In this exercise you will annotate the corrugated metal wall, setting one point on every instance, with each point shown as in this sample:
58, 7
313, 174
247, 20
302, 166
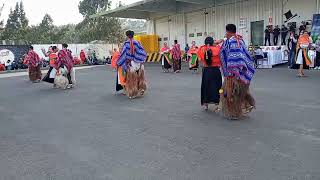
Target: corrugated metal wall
218, 17
251, 10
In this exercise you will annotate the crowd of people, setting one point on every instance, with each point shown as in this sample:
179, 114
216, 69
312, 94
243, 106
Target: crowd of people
226, 74
227, 57
61, 72
304, 52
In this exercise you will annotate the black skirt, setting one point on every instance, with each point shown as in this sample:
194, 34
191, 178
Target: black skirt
47, 77
210, 86
119, 87
166, 64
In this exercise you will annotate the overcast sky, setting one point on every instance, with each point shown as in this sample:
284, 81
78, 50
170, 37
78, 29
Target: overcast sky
62, 11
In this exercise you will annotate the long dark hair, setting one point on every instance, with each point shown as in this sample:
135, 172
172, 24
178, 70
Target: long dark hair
208, 55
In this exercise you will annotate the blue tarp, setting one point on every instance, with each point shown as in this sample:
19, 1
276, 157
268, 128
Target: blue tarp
315, 32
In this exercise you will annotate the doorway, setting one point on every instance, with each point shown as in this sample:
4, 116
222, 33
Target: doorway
257, 29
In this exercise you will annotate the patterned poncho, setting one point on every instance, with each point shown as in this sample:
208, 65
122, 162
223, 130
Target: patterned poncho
65, 58
236, 60
131, 51
32, 59
176, 52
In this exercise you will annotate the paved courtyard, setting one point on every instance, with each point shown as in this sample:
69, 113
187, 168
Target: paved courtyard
92, 133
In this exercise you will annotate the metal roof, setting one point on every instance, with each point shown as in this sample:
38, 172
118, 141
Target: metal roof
148, 9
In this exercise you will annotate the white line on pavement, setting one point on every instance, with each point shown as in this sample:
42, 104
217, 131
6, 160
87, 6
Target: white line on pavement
6, 75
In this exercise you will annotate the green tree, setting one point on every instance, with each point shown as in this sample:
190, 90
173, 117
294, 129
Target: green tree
13, 25
17, 24
90, 7
22, 16
102, 28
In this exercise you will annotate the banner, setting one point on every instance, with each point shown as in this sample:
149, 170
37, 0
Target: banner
10, 53
315, 32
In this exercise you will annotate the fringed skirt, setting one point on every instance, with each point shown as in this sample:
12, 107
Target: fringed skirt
210, 86
236, 99
35, 73
133, 82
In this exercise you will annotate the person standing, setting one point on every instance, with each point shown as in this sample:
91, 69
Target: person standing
83, 56
317, 62
284, 33
292, 46
193, 63
302, 27
302, 58
65, 59
166, 60
131, 62
209, 55
238, 70
267, 34
176, 55
34, 63
276, 33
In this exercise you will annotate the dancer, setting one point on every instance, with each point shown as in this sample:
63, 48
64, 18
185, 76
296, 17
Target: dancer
166, 58
34, 63
65, 60
302, 58
238, 70
115, 57
176, 55
209, 55
193, 63
49, 78
131, 63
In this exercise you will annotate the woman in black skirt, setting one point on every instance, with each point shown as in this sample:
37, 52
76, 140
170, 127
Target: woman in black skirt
211, 75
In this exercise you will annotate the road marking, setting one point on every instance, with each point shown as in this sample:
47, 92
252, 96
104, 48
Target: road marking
17, 74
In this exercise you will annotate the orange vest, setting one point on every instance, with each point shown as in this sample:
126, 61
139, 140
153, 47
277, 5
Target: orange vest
52, 59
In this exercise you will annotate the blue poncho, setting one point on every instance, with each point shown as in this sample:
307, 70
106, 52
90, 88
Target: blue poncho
236, 61
132, 51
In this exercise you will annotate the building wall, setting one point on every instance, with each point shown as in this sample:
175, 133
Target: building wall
213, 23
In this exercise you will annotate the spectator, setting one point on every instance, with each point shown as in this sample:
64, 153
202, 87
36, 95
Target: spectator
8, 65
292, 45
284, 33
317, 62
267, 33
276, 33
89, 54
2, 67
303, 27
83, 57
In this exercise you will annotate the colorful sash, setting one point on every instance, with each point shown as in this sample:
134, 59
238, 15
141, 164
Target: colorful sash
193, 62
121, 76
168, 58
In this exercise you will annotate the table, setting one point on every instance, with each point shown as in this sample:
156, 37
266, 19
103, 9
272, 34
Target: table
275, 55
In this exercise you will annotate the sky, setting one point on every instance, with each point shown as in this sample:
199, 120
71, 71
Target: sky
62, 11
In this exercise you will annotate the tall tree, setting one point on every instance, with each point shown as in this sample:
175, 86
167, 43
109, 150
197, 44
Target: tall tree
90, 7
13, 25
102, 28
22, 16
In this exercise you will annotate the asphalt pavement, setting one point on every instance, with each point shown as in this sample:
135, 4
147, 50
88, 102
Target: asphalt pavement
93, 133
